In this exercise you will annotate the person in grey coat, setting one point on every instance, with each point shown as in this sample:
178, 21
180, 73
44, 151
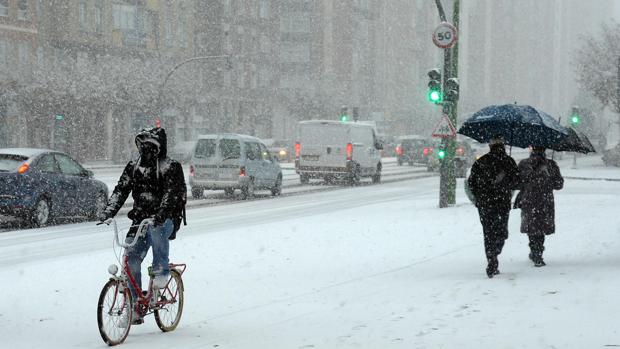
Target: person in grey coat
539, 178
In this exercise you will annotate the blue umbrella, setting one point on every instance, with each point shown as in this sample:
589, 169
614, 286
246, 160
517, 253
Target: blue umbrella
519, 125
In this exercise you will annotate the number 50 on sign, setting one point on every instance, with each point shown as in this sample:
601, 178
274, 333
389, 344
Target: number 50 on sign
445, 35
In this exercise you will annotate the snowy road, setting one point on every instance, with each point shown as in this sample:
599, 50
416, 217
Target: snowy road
366, 267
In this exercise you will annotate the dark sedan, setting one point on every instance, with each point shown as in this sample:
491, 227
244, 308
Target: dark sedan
41, 185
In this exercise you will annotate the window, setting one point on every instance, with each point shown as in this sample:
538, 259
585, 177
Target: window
23, 51
230, 148
82, 14
252, 150
68, 166
124, 16
40, 56
98, 16
47, 164
169, 32
227, 8
4, 52
263, 8
294, 53
4, 8
264, 152
295, 22
182, 33
22, 9
205, 148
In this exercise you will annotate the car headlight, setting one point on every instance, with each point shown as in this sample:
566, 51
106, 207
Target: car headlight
282, 152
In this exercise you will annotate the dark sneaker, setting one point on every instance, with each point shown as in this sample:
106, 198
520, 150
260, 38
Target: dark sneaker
490, 272
496, 272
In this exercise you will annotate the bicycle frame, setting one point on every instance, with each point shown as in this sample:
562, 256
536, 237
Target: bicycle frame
143, 302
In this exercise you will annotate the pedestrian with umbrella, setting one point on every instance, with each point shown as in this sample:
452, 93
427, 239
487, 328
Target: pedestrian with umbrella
494, 176
492, 179
539, 178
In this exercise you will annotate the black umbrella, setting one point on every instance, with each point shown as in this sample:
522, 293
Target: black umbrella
576, 141
519, 125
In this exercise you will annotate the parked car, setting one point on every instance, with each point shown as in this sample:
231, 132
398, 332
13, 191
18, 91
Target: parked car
330, 149
233, 161
280, 148
464, 157
413, 149
40, 185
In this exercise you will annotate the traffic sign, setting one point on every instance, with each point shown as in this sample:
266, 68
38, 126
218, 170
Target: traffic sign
444, 128
445, 35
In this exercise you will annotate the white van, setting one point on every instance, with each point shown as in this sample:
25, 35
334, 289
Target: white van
232, 161
333, 149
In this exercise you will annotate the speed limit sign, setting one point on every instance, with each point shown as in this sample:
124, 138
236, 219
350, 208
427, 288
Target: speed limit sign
445, 35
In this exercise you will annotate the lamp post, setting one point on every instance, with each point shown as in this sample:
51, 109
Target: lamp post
160, 99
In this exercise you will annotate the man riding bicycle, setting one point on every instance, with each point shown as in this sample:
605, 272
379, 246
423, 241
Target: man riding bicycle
157, 186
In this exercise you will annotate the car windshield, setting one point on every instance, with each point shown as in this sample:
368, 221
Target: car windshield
11, 162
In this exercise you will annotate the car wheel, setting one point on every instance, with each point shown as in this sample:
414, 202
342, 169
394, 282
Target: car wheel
304, 179
101, 202
197, 193
248, 190
277, 188
376, 178
229, 191
41, 213
399, 163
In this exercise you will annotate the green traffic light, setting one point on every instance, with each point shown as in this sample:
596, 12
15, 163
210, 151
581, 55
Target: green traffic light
575, 119
434, 96
441, 154
344, 118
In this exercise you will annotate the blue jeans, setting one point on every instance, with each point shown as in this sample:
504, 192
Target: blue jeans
156, 236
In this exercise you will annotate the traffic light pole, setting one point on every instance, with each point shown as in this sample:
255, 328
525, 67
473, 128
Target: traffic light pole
447, 180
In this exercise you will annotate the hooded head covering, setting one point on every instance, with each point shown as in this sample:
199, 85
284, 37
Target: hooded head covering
156, 137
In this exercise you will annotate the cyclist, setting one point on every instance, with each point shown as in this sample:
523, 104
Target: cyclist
157, 186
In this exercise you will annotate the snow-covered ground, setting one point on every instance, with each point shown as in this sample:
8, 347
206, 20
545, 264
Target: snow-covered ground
369, 267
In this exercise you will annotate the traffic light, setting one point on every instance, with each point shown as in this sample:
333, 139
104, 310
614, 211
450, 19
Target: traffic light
344, 114
441, 153
356, 114
434, 86
452, 89
575, 118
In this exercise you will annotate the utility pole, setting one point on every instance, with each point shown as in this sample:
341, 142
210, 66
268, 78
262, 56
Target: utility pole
447, 180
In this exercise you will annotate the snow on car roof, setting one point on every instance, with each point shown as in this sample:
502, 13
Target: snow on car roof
29, 152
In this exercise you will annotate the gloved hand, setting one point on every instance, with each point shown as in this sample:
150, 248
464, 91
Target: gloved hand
103, 216
159, 218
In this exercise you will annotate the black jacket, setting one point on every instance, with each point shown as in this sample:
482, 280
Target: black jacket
539, 178
492, 179
158, 188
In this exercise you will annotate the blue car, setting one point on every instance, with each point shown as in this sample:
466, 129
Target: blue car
41, 185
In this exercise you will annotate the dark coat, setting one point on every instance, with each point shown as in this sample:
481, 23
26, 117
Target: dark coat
155, 188
539, 177
492, 179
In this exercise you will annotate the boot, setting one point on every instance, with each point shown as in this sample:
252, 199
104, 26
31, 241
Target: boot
492, 267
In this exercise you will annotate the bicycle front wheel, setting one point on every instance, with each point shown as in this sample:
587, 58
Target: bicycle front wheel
168, 313
114, 313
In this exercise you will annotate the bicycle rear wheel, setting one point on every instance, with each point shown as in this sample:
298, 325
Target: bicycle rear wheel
169, 313
113, 306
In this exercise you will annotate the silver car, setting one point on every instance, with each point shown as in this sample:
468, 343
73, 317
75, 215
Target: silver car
232, 161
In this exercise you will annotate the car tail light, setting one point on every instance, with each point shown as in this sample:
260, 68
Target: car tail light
23, 168
349, 151
192, 170
427, 150
460, 151
399, 150
297, 149
242, 171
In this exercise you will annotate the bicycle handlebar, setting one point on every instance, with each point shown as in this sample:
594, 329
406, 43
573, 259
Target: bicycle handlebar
142, 229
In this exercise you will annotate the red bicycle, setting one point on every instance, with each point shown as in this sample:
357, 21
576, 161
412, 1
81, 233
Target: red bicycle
114, 309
